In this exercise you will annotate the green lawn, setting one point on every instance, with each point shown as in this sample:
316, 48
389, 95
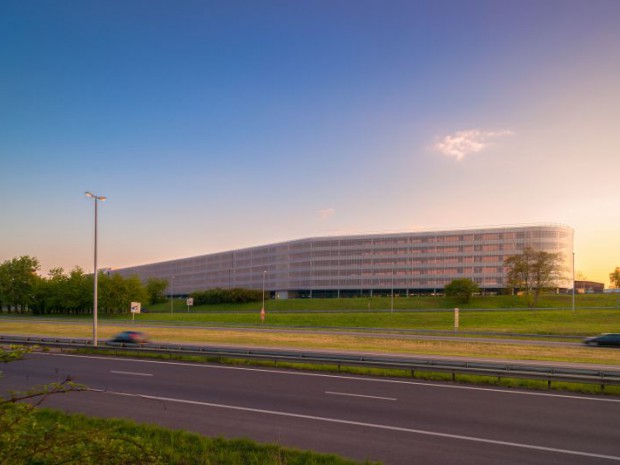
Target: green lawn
562, 322
404, 303
553, 322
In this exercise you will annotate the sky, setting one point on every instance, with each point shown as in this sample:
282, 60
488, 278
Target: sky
216, 125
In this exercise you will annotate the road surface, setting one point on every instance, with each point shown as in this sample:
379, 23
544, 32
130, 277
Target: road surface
389, 420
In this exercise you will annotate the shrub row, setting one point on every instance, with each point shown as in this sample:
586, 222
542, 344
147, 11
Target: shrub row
224, 296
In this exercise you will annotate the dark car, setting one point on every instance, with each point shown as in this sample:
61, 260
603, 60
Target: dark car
607, 339
130, 337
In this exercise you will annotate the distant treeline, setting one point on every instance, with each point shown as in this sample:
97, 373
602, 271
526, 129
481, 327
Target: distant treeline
223, 296
22, 290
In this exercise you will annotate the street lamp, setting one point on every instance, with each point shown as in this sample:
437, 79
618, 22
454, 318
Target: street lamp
573, 281
172, 295
262, 312
392, 296
96, 199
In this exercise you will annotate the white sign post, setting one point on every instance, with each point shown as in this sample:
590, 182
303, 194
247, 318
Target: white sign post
456, 319
136, 307
190, 302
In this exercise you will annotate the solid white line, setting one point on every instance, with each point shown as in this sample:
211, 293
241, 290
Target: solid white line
130, 373
359, 395
357, 378
372, 425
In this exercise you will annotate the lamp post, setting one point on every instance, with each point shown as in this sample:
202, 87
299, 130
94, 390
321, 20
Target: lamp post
264, 274
262, 311
96, 198
573, 281
392, 294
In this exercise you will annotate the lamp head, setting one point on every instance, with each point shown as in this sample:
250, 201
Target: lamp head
90, 195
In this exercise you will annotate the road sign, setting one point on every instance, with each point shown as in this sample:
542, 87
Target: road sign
135, 308
190, 301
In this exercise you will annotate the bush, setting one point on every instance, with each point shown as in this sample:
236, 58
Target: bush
461, 289
226, 296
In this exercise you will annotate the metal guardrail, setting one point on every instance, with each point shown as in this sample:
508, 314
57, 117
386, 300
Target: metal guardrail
454, 367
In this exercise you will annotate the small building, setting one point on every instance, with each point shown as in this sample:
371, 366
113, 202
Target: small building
589, 287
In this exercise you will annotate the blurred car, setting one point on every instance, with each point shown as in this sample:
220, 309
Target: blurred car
606, 339
130, 337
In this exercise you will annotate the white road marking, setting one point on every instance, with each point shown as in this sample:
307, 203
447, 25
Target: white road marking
371, 425
359, 395
130, 373
357, 378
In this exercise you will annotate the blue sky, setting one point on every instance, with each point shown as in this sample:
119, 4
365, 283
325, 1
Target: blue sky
224, 124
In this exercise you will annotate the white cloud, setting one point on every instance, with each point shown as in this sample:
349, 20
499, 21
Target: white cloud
326, 213
463, 143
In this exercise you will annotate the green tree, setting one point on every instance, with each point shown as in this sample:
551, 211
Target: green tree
155, 289
614, 278
64, 293
117, 292
461, 289
534, 271
79, 292
18, 282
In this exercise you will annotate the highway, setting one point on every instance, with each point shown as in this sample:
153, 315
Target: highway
389, 420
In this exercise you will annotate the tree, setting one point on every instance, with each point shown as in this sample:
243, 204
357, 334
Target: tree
534, 271
18, 279
614, 278
155, 289
62, 293
461, 289
116, 292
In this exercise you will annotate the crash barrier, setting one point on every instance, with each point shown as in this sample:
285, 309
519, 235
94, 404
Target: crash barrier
498, 370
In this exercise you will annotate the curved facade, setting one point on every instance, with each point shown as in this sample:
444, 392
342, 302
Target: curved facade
411, 262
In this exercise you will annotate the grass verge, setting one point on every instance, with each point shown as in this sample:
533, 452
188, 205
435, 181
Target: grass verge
346, 342
402, 303
185, 448
542, 322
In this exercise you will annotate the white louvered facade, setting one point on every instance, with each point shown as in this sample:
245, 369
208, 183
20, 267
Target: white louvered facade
410, 262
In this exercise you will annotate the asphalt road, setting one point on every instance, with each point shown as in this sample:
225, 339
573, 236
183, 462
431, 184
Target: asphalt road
394, 421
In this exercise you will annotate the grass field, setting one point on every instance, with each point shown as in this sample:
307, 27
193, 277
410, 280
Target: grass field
402, 303
330, 342
552, 322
